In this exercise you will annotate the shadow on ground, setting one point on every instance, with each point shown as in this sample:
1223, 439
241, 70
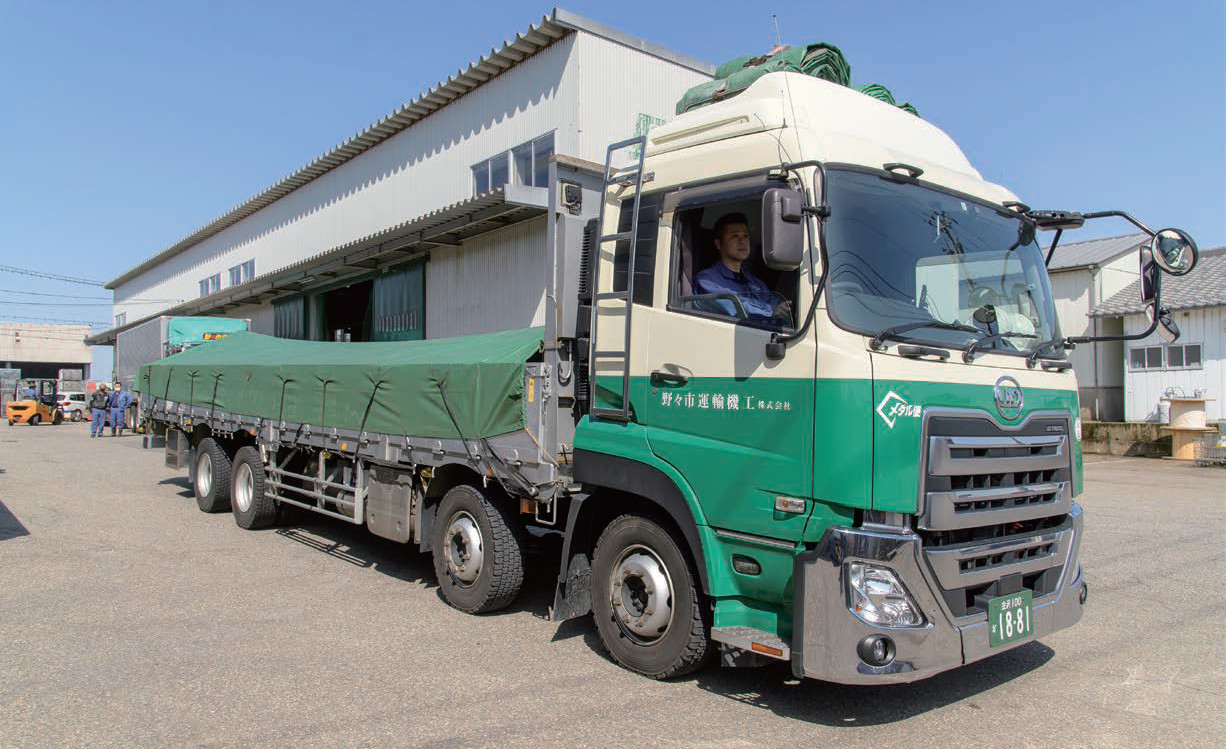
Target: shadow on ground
774, 688
180, 481
10, 526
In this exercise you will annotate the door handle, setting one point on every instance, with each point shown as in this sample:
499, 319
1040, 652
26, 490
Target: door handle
671, 378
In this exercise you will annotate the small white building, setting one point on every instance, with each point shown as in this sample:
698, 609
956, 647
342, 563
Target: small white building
1083, 276
435, 220
1196, 363
41, 350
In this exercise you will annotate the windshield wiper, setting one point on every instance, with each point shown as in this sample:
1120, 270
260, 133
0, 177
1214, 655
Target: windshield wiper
1033, 358
893, 332
968, 356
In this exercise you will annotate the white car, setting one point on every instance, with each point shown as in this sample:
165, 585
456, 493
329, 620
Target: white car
72, 403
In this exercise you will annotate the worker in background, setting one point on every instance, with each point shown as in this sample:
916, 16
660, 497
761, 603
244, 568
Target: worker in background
119, 402
98, 403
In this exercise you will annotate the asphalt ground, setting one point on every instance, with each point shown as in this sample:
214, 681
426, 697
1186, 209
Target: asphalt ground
129, 618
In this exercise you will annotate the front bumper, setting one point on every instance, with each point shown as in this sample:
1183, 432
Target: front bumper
826, 633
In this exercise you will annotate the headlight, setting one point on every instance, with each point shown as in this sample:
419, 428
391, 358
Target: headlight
878, 597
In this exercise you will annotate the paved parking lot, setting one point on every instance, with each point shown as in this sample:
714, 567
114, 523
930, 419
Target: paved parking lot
128, 618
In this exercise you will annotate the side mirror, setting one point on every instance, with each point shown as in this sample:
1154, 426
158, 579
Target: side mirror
1174, 251
1149, 280
783, 229
1167, 329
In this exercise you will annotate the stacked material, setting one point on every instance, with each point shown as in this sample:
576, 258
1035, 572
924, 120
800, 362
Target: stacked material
818, 59
441, 388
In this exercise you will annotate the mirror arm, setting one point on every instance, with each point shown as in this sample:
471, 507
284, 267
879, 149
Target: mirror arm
1051, 250
1122, 214
1159, 311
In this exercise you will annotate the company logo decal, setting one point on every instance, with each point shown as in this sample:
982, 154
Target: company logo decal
1009, 400
893, 407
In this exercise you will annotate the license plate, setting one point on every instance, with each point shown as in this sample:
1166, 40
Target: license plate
1010, 618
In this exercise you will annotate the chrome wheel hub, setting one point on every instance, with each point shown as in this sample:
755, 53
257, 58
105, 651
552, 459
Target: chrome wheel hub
464, 550
204, 475
244, 487
642, 594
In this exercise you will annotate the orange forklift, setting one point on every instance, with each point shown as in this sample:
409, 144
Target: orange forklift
36, 403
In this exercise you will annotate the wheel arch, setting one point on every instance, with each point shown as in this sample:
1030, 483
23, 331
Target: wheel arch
633, 486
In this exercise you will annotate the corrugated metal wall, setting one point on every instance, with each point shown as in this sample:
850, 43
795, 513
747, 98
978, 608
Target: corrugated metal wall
421, 169
494, 282
1144, 389
587, 89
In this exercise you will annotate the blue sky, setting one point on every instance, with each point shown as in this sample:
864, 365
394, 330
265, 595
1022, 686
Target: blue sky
125, 126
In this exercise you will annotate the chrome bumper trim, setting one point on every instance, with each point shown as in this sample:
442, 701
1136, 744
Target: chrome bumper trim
825, 635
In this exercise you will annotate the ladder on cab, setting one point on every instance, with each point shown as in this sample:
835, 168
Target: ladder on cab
608, 303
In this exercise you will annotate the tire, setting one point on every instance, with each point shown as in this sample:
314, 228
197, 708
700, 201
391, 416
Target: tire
77, 416
57, 418
251, 507
211, 471
658, 633
34, 420
478, 551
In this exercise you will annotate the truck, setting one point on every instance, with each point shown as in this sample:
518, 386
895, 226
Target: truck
862, 461
162, 336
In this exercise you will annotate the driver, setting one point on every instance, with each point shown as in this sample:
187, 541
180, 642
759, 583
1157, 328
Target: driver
727, 276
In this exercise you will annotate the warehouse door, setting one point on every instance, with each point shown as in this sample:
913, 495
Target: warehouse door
289, 318
399, 304
345, 312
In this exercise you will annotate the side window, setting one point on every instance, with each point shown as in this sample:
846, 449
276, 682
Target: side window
645, 247
718, 269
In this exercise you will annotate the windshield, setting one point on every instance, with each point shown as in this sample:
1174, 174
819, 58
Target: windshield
939, 268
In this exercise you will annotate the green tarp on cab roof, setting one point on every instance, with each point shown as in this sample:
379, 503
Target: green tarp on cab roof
391, 388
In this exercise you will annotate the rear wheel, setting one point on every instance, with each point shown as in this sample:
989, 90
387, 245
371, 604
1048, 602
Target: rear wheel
478, 551
647, 608
251, 506
77, 416
211, 476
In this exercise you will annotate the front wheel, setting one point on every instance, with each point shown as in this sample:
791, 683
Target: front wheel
57, 418
76, 416
645, 602
478, 551
34, 420
252, 506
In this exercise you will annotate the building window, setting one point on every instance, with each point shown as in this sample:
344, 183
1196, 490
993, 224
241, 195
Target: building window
1177, 356
1147, 357
210, 285
121, 318
525, 164
242, 273
1183, 356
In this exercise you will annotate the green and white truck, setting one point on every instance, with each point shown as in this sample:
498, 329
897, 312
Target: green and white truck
875, 481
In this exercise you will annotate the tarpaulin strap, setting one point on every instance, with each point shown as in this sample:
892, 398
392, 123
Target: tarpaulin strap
357, 444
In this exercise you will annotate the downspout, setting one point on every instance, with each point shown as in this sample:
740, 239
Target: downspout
1094, 332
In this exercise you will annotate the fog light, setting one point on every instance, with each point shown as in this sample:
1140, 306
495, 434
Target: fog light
876, 650
746, 565
878, 597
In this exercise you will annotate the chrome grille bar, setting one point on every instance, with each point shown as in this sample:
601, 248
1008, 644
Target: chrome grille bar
961, 456
970, 508
975, 564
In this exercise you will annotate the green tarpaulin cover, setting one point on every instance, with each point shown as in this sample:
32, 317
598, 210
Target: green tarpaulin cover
391, 388
818, 59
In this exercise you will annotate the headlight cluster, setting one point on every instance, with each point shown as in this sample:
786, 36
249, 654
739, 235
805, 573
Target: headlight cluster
878, 597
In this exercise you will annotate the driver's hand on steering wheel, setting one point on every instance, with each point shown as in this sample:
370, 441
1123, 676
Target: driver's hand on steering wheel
783, 311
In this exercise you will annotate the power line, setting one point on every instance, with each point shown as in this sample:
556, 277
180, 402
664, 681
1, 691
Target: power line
54, 319
77, 296
52, 276
72, 304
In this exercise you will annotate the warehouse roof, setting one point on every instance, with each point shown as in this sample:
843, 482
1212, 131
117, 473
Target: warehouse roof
1094, 251
1205, 286
495, 62
444, 227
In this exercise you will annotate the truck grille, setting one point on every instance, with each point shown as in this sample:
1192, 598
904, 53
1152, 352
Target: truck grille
996, 506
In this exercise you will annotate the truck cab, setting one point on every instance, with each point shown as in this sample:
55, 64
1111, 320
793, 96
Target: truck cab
879, 446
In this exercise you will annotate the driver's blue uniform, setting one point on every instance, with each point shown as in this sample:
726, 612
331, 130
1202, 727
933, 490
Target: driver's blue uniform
757, 299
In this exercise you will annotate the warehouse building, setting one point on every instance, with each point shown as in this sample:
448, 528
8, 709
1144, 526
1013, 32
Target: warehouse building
41, 350
435, 220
